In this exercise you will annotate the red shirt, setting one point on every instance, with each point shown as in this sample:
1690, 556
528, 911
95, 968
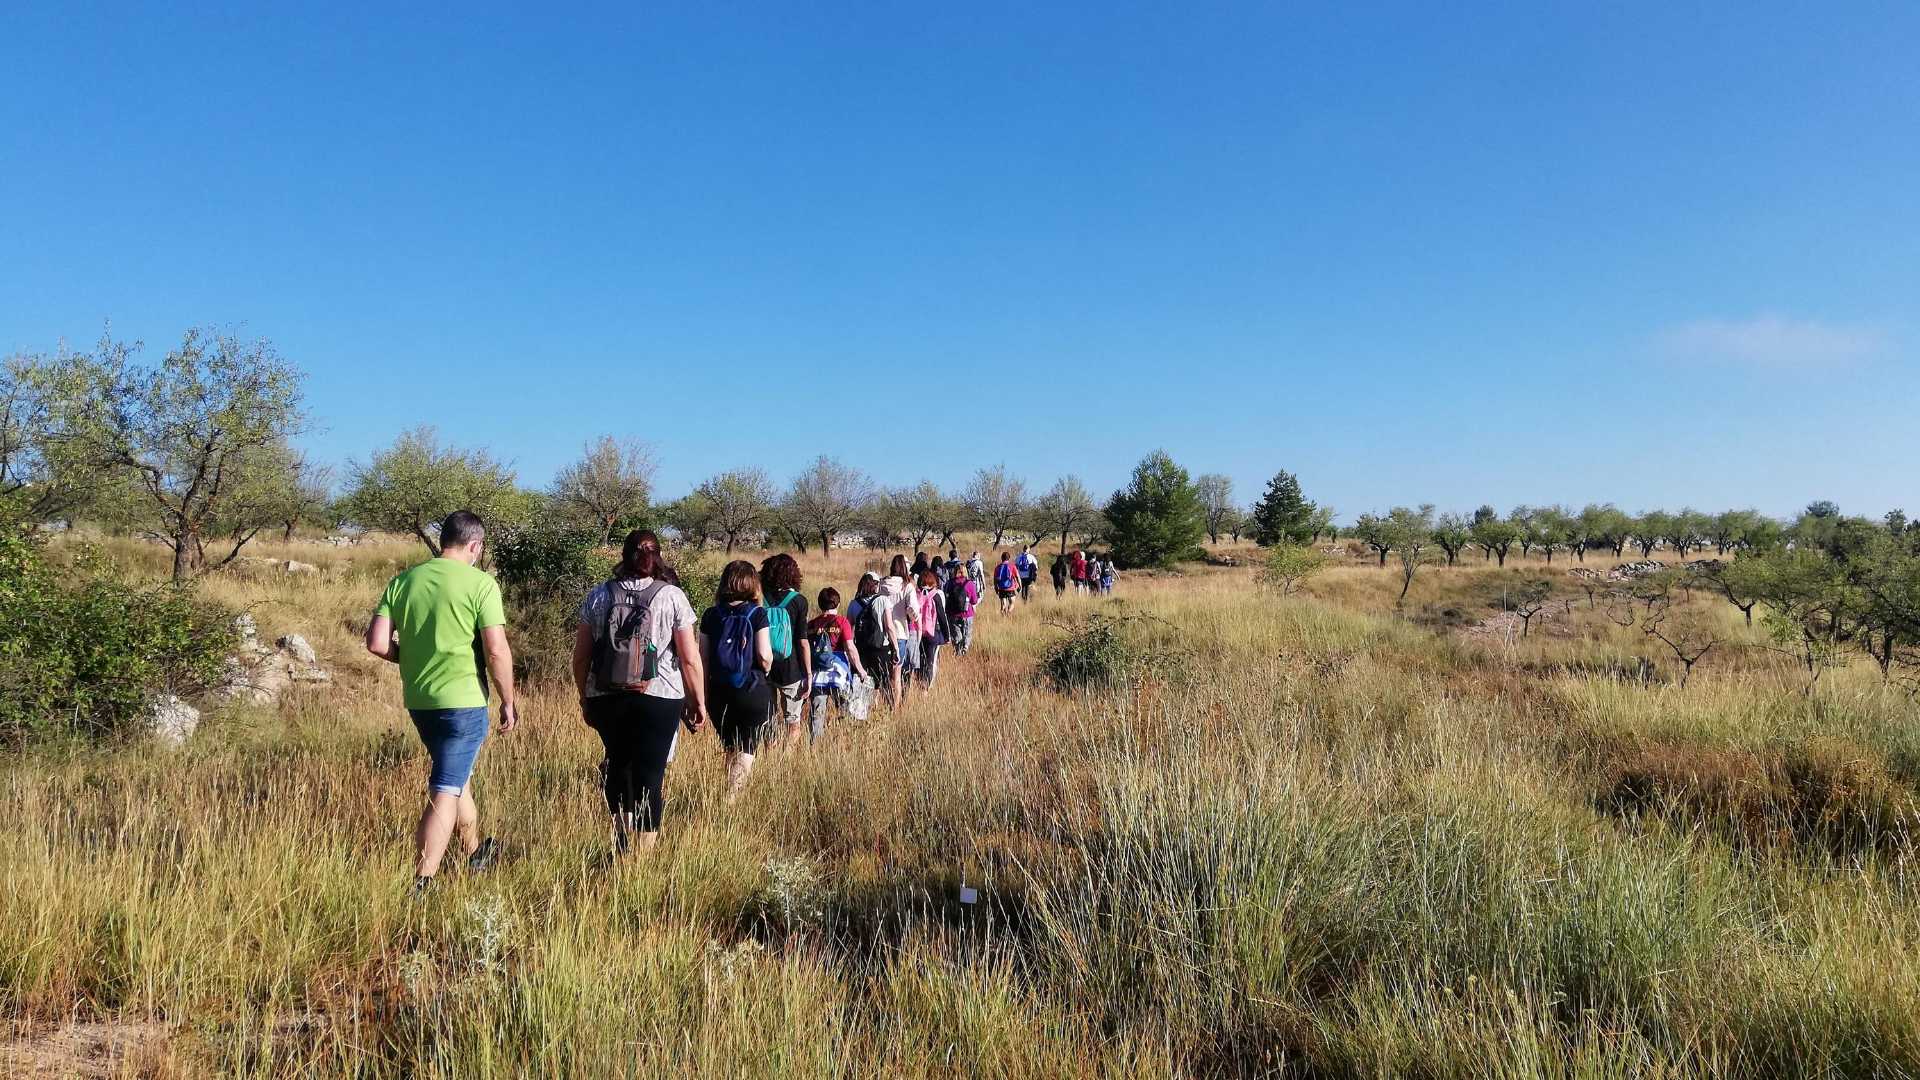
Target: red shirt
1079, 566
838, 629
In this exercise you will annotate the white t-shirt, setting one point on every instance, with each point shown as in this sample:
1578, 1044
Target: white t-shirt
900, 601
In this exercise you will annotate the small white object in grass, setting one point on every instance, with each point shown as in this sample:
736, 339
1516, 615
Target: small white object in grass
969, 895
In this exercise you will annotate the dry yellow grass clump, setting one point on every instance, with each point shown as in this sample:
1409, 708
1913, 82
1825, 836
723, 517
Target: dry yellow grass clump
1317, 836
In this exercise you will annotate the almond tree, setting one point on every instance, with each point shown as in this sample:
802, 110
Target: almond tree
200, 438
413, 484
826, 500
1216, 498
1064, 507
995, 500
612, 480
738, 502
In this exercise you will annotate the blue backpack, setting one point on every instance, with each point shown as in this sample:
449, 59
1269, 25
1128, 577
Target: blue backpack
733, 649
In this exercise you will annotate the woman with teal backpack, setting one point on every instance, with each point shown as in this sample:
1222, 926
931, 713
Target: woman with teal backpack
738, 653
792, 671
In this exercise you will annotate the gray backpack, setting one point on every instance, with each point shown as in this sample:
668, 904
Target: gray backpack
625, 657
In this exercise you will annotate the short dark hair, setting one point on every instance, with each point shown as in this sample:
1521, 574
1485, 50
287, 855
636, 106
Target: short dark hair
461, 528
780, 573
739, 581
929, 579
1004, 556
829, 598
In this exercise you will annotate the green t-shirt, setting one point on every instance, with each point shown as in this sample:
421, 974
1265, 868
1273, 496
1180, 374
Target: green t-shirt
439, 609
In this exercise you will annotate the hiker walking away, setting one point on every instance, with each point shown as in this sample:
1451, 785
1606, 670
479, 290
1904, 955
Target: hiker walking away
920, 564
737, 653
835, 660
900, 588
434, 620
1079, 570
873, 636
1006, 582
935, 628
792, 672
636, 666
952, 564
1029, 568
1059, 573
651, 542
961, 596
1107, 574
977, 570
1093, 573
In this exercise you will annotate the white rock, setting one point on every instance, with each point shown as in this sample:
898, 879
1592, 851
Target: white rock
244, 626
294, 567
172, 720
298, 648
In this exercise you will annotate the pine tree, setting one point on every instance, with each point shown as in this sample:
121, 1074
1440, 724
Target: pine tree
1158, 519
1283, 515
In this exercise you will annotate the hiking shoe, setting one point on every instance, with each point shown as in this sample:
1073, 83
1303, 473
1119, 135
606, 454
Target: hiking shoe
420, 887
483, 856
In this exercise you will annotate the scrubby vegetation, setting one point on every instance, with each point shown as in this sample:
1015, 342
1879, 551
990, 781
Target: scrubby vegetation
84, 652
1306, 838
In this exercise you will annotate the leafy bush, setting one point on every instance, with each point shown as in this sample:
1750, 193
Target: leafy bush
547, 569
1289, 566
83, 653
1093, 656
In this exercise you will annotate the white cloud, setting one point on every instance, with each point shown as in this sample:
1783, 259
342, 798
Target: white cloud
1772, 341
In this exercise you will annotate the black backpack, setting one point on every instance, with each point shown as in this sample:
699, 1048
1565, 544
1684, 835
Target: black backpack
956, 599
624, 655
870, 630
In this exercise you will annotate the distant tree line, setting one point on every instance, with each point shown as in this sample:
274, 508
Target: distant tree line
194, 450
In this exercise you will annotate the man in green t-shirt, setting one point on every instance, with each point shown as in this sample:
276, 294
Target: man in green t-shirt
435, 621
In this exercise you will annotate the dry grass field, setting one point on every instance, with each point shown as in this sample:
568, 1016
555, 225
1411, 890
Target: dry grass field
1319, 837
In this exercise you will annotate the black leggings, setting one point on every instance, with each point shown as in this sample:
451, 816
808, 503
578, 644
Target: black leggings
739, 713
638, 731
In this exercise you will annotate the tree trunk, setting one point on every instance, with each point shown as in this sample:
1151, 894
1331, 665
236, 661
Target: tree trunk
286, 537
1063, 541
432, 548
186, 555
1383, 556
1503, 557
826, 544
997, 534
729, 543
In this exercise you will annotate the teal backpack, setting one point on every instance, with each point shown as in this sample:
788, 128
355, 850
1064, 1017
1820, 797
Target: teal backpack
780, 626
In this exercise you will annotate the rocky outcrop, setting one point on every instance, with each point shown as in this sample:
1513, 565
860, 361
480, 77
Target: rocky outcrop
260, 673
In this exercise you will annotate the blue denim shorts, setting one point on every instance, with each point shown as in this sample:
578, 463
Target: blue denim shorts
452, 738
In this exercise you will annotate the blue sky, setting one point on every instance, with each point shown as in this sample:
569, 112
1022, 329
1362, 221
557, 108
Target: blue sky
1649, 253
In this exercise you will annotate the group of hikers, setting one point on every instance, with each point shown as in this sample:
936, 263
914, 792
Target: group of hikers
762, 665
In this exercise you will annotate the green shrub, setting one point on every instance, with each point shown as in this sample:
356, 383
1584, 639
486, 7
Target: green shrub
82, 653
1290, 566
1093, 656
546, 570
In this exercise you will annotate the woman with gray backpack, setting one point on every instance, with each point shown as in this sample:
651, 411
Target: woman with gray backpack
637, 667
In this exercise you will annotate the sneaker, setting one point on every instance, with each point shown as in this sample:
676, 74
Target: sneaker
420, 886
483, 856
